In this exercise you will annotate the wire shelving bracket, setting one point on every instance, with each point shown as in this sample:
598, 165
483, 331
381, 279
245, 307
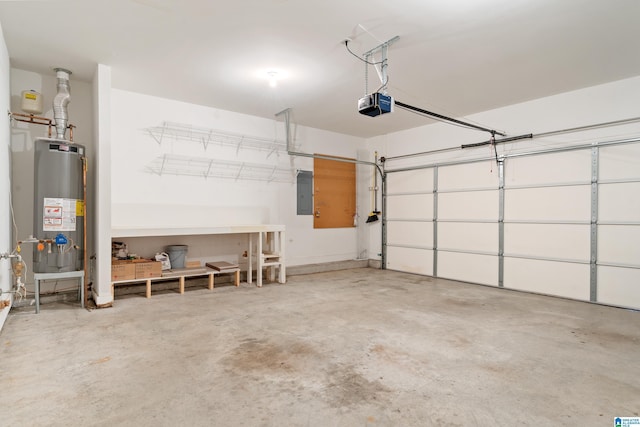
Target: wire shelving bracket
205, 136
170, 164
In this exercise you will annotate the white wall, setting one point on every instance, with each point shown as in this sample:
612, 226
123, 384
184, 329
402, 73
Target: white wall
22, 137
142, 199
603, 103
101, 215
5, 167
527, 208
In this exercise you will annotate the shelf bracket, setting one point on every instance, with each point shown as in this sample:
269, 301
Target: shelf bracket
239, 171
206, 143
273, 173
239, 144
274, 149
159, 140
164, 161
208, 169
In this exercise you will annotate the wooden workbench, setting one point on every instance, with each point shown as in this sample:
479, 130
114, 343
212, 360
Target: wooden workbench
270, 251
181, 275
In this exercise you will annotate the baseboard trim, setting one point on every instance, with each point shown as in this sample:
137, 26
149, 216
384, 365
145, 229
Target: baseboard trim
137, 288
326, 266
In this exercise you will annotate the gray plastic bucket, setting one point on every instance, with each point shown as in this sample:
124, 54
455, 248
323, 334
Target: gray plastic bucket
177, 254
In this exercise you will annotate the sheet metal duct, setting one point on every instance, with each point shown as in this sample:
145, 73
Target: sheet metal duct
60, 102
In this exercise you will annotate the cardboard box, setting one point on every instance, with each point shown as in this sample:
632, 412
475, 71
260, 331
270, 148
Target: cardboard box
122, 270
145, 268
135, 269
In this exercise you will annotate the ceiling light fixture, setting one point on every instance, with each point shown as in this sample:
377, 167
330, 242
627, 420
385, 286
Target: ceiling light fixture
272, 75
273, 78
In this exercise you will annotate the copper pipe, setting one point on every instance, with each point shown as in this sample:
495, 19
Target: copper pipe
38, 120
32, 119
30, 116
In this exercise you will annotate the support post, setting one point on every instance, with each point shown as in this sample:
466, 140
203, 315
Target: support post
383, 224
593, 264
501, 223
435, 221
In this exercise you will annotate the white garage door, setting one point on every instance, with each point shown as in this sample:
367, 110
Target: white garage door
547, 217
563, 223
468, 222
618, 273
410, 214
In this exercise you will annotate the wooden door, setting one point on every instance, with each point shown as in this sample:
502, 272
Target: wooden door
334, 193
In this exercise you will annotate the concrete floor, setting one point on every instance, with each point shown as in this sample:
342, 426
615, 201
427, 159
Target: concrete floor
361, 347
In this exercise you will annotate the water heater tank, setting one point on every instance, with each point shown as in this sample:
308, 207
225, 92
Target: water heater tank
58, 206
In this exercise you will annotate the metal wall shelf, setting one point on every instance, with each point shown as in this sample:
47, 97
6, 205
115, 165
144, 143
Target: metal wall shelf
170, 164
206, 167
206, 136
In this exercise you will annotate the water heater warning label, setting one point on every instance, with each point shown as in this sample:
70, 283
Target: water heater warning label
59, 214
79, 208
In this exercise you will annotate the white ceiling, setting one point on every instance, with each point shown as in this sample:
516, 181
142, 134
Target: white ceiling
455, 57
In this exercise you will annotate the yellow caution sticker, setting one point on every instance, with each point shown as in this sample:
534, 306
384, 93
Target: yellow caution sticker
31, 96
79, 208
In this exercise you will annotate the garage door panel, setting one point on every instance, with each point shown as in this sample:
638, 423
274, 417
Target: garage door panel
619, 244
563, 241
619, 202
564, 279
473, 206
416, 181
619, 286
619, 162
410, 233
471, 268
409, 260
568, 167
548, 204
472, 237
410, 206
479, 175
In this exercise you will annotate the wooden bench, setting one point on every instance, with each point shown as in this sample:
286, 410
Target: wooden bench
181, 275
